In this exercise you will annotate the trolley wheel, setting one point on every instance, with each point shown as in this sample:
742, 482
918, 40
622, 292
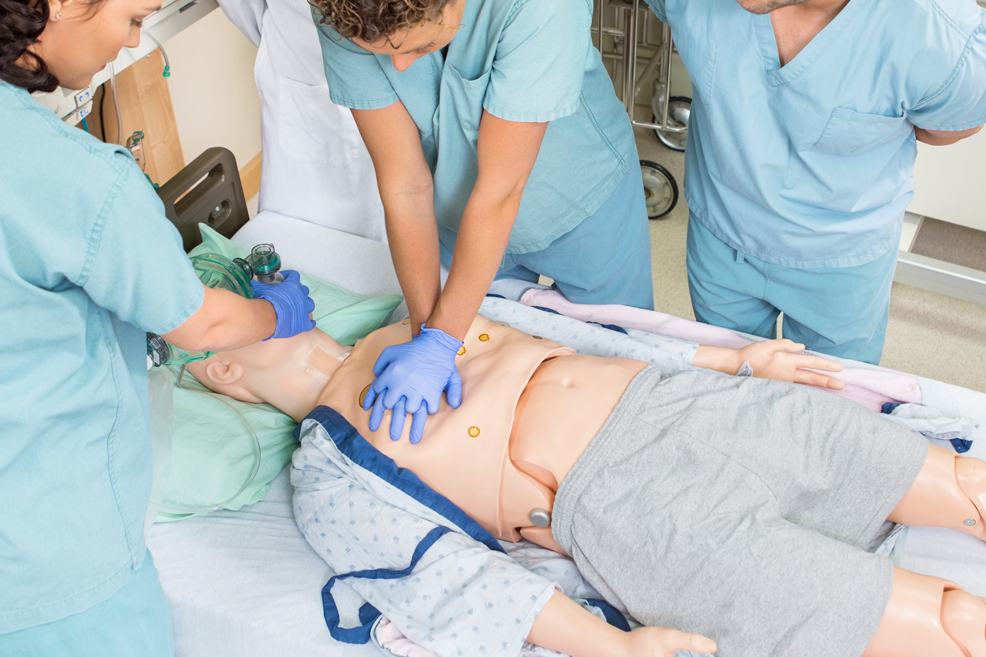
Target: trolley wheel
679, 111
660, 189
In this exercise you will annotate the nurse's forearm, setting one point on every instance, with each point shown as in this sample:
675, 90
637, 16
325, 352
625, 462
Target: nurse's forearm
506, 153
479, 248
225, 321
407, 191
413, 235
943, 137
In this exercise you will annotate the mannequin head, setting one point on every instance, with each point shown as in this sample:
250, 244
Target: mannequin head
289, 374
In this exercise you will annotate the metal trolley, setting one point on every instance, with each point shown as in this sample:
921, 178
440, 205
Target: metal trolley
669, 113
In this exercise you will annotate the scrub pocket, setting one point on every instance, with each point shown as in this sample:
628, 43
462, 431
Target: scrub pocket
467, 99
854, 133
309, 128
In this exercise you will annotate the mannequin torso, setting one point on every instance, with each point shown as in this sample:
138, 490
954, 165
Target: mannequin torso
530, 406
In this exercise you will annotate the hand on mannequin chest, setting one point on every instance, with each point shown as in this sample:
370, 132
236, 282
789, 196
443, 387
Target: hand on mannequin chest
797, 24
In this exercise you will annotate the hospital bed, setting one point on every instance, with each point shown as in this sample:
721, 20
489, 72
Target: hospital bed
246, 583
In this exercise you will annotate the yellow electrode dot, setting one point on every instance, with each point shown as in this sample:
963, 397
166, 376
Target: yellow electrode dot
362, 395
473, 431
462, 351
484, 337
406, 322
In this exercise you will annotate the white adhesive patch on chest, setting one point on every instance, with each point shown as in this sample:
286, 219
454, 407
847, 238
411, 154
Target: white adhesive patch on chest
320, 363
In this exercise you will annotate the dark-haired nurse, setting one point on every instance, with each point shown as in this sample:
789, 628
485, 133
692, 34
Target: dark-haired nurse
88, 263
501, 150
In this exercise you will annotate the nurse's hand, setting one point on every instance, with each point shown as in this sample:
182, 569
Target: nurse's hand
291, 304
411, 378
785, 360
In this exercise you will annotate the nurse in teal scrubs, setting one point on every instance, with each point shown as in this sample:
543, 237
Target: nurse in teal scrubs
88, 263
500, 150
801, 147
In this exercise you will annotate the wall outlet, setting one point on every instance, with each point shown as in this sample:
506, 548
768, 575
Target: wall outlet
83, 97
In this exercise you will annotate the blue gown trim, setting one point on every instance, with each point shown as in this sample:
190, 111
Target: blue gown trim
362, 453
368, 614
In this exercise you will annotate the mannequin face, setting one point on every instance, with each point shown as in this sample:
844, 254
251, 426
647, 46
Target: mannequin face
81, 39
407, 46
289, 373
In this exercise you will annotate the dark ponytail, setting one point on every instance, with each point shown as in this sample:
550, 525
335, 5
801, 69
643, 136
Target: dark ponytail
21, 23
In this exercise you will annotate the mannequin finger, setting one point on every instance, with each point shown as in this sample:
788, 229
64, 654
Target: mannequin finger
807, 377
678, 640
376, 415
418, 425
397, 421
820, 363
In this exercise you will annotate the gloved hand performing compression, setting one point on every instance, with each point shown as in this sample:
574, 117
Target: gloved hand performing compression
291, 304
411, 378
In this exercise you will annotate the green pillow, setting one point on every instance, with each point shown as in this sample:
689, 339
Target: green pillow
213, 452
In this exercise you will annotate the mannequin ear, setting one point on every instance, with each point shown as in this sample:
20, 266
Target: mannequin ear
222, 373
225, 378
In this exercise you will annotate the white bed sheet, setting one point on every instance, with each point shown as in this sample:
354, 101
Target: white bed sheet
246, 583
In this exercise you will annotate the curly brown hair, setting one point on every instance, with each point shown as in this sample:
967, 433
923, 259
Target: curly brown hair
370, 20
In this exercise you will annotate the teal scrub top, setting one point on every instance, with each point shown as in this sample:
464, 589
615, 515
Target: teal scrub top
520, 60
88, 263
811, 164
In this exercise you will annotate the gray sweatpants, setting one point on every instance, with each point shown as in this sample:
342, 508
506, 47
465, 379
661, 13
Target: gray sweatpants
740, 509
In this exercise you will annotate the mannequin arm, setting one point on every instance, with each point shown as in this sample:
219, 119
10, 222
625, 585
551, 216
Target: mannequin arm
565, 626
782, 360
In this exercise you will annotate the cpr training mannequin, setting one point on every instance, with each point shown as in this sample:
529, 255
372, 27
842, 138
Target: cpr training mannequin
732, 506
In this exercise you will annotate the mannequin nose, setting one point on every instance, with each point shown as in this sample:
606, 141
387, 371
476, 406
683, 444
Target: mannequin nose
403, 62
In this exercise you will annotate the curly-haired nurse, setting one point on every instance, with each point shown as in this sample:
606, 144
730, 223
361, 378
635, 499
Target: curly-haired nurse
500, 150
88, 263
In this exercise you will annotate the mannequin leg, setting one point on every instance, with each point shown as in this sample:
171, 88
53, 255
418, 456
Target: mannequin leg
950, 491
929, 616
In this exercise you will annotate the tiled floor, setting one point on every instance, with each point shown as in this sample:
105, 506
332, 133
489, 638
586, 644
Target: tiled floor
928, 334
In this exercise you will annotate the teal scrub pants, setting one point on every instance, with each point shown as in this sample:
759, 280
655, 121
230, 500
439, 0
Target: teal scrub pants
840, 311
605, 259
134, 621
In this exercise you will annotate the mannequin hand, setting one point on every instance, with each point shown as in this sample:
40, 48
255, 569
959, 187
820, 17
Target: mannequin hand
661, 642
411, 378
291, 304
784, 360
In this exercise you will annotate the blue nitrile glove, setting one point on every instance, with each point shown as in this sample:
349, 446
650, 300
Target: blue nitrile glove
291, 304
411, 378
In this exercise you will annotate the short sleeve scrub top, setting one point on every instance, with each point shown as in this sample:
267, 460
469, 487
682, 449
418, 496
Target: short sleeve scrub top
524, 61
88, 263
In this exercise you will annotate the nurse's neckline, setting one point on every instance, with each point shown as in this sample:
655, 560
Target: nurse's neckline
809, 51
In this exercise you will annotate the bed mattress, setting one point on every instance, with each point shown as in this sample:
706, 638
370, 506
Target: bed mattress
246, 583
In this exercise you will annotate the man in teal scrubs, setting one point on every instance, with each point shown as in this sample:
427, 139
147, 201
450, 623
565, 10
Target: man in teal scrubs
495, 120
801, 149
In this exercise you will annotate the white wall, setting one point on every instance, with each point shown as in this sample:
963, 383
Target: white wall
212, 89
950, 182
